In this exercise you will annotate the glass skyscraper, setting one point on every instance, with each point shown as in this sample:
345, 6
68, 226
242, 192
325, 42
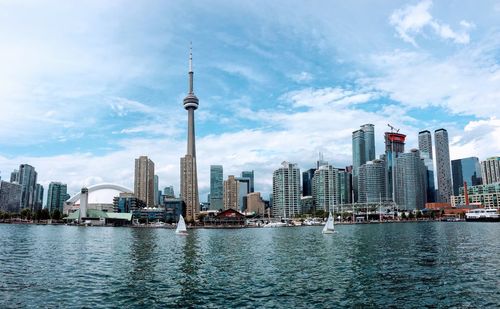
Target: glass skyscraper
56, 196
307, 177
363, 150
410, 181
465, 170
216, 187
372, 182
249, 175
27, 179
443, 166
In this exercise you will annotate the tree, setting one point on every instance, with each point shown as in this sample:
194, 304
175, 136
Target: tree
403, 216
44, 214
26, 214
411, 215
433, 215
419, 214
56, 214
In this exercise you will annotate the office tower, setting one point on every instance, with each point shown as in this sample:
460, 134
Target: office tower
307, 177
425, 143
249, 175
358, 158
27, 179
286, 191
369, 137
231, 196
429, 185
189, 176
169, 191
394, 146
344, 186
14, 176
216, 187
156, 189
490, 170
10, 197
465, 170
443, 169
372, 182
243, 190
325, 192
38, 197
127, 203
144, 182
410, 181
255, 204
56, 196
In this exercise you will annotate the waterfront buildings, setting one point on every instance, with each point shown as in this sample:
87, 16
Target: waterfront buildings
127, 203
410, 181
38, 197
56, 196
216, 187
189, 176
307, 205
394, 146
250, 175
487, 195
425, 143
443, 169
243, 190
307, 177
344, 187
465, 170
255, 204
363, 150
27, 179
372, 182
144, 181
430, 186
10, 196
286, 191
490, 170
174, 207
156, 194
325, 193
231, 193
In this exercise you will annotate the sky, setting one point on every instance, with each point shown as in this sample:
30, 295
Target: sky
87, 87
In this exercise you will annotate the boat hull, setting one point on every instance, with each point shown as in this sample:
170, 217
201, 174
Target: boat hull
483, 219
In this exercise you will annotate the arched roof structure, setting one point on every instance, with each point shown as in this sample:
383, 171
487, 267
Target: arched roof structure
102, 193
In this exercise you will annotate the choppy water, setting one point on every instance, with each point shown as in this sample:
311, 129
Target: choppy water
400, 265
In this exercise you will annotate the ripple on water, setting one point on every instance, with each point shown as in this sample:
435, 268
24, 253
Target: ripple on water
401, 265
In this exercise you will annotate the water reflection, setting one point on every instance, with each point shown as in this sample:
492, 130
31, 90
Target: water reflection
187, 279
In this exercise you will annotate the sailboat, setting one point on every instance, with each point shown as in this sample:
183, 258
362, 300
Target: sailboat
329, 227
181, 226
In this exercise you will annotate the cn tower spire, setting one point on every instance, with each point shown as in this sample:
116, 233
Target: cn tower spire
191, 90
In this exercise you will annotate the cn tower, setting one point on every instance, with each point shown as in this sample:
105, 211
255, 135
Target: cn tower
189, 176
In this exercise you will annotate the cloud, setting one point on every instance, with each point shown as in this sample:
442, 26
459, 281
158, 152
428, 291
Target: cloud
302, 77
414, 19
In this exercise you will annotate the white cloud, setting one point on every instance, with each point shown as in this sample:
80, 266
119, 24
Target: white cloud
414, 19
302, 77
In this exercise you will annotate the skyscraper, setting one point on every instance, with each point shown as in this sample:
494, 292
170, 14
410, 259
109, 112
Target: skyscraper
156, 189
369, 134
465, 170
430, 186
38, 197
14, 176
490, 170
231, 196
344, 186
325, 193
363, 150
10, 196
372, 182
410, 181
144, 182
27, 179
425, 143
56, 196
443, 168
286, 191
216, 187
307, 177
169, 191
394, 146
243, 190
189, 176
249, 175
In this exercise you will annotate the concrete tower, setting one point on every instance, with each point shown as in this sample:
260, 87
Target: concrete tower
443, 166
425, 143
189, 176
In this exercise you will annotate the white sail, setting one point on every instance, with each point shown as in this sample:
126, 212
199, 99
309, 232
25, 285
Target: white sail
181, 226
329, 227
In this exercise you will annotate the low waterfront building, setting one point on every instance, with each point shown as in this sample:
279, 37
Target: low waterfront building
99, 217
174, 207
127, 202
150, 214
100, 197
228, 218
485, 195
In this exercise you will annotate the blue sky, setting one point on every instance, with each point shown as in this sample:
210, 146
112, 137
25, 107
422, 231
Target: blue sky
85, 88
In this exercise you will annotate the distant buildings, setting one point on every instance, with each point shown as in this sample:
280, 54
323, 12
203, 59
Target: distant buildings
231, 193
372, 182
249, 175
144, 181
286, 191
127, 203
443, 169
410, 181
344, 186
325, 190
38, 197
56, 196
490, 170
10, 196
216, 187
169, 191
156, 190
255, 204
394, 146
307, 177
27, 179
425, 143
465, 170
487, 195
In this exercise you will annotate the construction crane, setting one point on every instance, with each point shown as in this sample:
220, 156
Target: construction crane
393, 128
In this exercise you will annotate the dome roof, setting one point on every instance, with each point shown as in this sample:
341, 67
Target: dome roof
101, 193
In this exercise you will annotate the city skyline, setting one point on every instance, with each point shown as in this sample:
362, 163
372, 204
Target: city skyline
263, 102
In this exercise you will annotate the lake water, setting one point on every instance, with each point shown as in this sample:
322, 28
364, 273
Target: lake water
403, 265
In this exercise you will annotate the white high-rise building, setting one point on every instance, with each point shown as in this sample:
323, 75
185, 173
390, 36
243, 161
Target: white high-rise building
490, 170
286, 191
325, 188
